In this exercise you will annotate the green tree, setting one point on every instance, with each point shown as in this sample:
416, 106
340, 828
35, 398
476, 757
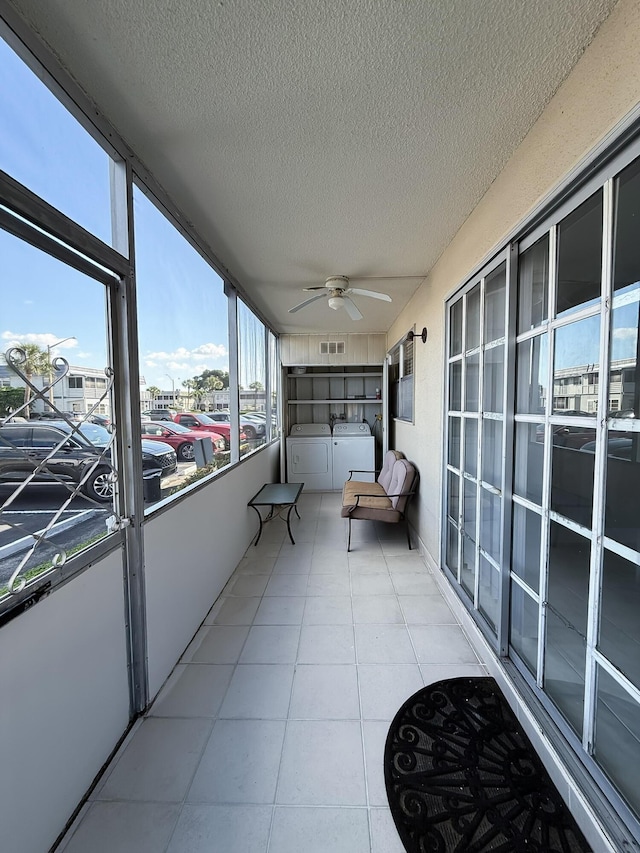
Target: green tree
207, 382
154, 391
37, 363
256, 387
188, 384
10, 399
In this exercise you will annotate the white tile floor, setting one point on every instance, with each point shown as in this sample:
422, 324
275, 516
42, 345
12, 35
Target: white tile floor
269, 734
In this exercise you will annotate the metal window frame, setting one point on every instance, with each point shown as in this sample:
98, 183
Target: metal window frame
33, 220
27, 208
398, 348
622, 153
494, 635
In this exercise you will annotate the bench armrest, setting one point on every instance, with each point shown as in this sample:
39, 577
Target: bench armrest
367, 495
361, 471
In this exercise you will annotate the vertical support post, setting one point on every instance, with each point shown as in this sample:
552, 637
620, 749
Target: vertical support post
268, 380
234, 372
508, 444
124, 344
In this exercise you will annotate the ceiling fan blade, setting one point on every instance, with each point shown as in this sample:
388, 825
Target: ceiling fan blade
351, 308
317, 287
307, 302
360, 292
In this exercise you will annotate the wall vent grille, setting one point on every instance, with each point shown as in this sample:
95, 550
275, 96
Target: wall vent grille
331, 347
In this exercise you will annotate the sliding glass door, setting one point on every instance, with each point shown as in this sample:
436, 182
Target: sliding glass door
541, 531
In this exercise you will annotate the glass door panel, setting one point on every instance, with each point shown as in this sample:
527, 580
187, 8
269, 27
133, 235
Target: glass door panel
472, 384
489, 592
525, 549
532, 359
454, 442
565, 641
492, 463
468, 568
473, 318
580, 256
494, 304
471, 446
533, 285
490, 523
529, 462
617, 737
523, 627
619, 638
493, 380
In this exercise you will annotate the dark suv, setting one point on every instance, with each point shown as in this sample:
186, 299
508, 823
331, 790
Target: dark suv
23, 446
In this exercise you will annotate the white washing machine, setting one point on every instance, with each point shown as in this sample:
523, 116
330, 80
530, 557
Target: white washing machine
309, 457
353, 448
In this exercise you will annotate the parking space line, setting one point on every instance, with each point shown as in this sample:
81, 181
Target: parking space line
26, 541
37, 511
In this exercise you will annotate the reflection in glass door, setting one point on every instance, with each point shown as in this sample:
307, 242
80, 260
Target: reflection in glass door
570, 558
574, 593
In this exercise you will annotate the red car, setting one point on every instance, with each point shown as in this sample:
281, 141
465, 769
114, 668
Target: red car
181, 438
199, 421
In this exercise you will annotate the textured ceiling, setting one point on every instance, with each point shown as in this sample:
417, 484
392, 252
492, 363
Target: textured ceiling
311, 138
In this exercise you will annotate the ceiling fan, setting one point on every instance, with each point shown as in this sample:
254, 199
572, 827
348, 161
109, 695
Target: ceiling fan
338, 291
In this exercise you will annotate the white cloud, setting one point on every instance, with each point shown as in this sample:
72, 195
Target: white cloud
625, 333
185, 362
212, 350
43, 340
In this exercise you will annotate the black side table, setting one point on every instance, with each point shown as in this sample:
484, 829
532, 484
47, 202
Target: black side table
281, 495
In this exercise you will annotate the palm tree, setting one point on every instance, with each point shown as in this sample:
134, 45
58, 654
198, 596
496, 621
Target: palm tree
188, 384
255, 387
154, 391
36, 363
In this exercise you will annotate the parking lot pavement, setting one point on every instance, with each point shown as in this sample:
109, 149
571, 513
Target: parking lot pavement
18, 524
82, 522
33, 510
184, 470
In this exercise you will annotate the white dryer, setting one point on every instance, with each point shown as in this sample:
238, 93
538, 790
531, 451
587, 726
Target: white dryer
353, 448
309, 456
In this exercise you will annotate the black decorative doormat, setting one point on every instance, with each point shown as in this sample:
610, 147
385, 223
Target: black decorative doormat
462, 777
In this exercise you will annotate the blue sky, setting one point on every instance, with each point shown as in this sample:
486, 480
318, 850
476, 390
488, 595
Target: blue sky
181, 305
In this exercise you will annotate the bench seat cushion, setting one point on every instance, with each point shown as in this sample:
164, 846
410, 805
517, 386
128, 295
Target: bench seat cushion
355, 487
375, 506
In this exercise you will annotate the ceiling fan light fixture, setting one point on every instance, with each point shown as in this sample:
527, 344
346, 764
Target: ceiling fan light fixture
335, 302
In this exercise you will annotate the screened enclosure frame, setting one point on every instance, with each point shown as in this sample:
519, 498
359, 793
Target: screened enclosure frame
34, 221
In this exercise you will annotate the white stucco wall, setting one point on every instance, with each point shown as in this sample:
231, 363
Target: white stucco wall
190, 552
65, 703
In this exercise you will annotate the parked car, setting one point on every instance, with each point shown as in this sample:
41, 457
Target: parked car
24, 446
101, 420
49, 415
159, 414
156, 456
200, 421
621, 447
251, 428
181, 438
570, 435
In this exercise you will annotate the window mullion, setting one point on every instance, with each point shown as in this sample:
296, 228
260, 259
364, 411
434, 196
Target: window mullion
599, 482
546, 465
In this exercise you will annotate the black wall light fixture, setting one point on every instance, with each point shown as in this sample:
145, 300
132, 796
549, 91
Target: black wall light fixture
423, 334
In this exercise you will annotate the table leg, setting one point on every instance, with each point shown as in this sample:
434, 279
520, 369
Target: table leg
293, 506
296, 509
260, 517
